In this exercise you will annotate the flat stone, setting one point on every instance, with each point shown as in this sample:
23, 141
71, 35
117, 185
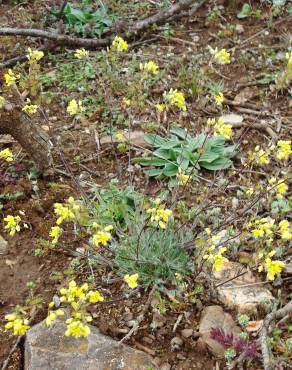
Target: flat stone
238, 294
135, 138
215, 317
3, 245
48, 348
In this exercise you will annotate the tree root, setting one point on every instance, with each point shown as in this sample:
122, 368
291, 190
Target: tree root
276, 315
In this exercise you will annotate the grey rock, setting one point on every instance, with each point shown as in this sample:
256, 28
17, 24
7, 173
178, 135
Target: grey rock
215, 317
186, 333
240, 291
3, 245
49, 349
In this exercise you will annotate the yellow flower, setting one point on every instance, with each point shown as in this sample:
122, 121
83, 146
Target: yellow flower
284, 230
131, 280
221, 128
30, 108
160, 107
264, 227
67, 212
17, 324
10, 78
127, 102
219, 98
119, 136
12, 224
273, 268
283, 149
94, 296
182, 178
35, 55
2, 102
176, 98
120, 44
222, 56
101, 237
6, 154
279, 186
260, 156
77, 329
217, 259
81, 54
159, 214
75, 107
55, 233
50, 318
149, 67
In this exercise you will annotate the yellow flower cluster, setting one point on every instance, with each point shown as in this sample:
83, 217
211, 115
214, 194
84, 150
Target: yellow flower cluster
10, 77
131, 280
2, 102
30, 108
160, 107
221, 56
75, 107
182, 178
216, 257
12, 224
263, 228
219, 98
283, 149
77, 298
260, 156
81, 54
176, 98
279, 186
159, 214
103, 236
285, 230
120, 44
149, 67
55, 234
17, 324
6, 154
220, 127
272, 268
68, 211
34, 55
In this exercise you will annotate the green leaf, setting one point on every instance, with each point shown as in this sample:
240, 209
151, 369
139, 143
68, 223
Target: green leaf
245, 11
150, 161
218, 164
208, 157
170, 170
155, 140
154, 172
162, 153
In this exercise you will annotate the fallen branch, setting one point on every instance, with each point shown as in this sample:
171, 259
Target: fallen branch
61, 39
276, 315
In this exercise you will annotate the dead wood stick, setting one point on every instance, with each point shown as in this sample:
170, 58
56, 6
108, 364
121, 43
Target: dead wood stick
276, 315
257, 126
138, 27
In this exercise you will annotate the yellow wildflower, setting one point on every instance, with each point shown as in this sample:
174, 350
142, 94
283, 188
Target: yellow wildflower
176, 98
75, 107
34, 55
273, 268
119, 136
260, 156
120, 44
285, 230
127, 102
217, 259
6, 154
2, 102
17, 324
50, 318
219, 98
10, 77
131, 280
264, 227
159, 214
77, 329
30, 108
102, 236
220, 128
94, 296
182, 178
149, 67
160, 107
55, 233
68, 211
81, 54
283, 149
279, 186
222, 56
12, 224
